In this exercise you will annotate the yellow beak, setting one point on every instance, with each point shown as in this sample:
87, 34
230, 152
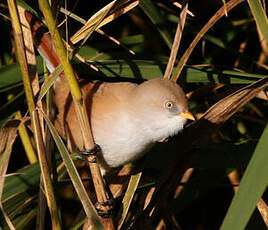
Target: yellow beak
187, 115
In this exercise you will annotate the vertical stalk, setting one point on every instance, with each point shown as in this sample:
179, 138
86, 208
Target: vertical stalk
29, 150
78, 102
21, 56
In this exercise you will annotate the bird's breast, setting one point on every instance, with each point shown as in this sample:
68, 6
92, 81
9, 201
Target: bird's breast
120, 138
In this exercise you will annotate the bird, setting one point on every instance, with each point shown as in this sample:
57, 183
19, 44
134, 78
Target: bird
126, 118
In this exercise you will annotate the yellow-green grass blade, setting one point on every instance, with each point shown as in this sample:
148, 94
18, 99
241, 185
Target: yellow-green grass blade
131, 189
107, 14
92, 24
76, 180
49, 82
158, 20
252, 187
260, 17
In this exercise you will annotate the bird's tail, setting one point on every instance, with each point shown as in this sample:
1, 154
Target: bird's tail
45, 47
43, 42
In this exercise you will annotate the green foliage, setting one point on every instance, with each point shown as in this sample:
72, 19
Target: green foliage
252, 187
230, 54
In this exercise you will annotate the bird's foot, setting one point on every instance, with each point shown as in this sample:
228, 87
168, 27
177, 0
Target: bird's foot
105, 209
90, 155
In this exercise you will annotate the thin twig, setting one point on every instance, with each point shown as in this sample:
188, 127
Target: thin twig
219, 14
22, 59
176, 42
79, 102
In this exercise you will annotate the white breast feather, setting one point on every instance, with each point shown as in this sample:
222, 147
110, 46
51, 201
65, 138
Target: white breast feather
124, 142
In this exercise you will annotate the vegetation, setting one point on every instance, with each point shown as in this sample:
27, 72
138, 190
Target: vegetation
213, 175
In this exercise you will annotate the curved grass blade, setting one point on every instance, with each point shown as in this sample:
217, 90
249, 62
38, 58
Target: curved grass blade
20, 194
158, 20
6, 72
149, 69
104, 16
11, 75
24, 5
49, 82
92, 24
24, 180
21, 209
81, 20
135, 68
131, 189
260, 17
22, 221
251, 188
72, 171
7, 138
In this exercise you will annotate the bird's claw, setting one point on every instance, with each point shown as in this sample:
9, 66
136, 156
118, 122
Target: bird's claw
105, 209
90, 155
94, 151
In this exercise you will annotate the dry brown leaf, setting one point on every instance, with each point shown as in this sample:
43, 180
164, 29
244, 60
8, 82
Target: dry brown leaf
176, 42
8, 136
30, 54
263, 209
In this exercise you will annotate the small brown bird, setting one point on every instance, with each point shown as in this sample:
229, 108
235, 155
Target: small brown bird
126, 118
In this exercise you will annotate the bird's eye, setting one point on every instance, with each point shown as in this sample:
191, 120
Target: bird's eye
169, 105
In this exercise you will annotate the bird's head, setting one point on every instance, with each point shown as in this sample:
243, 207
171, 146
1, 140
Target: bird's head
162, 106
